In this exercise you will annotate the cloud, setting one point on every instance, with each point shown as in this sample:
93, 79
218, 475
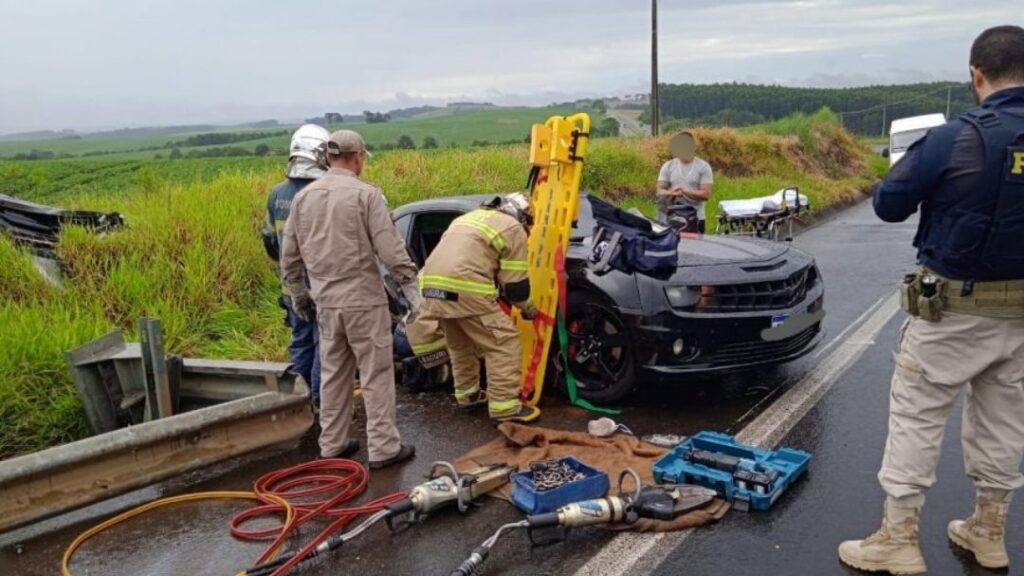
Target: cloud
135, 62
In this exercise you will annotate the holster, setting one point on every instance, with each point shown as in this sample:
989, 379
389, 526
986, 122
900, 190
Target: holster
913, 301
910, 291
929, 308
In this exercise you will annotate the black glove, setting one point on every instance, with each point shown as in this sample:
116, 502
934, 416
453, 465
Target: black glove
304, 308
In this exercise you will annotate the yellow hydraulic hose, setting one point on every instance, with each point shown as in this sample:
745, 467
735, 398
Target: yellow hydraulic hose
225, 495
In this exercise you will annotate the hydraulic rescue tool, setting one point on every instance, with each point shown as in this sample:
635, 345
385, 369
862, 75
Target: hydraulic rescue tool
655, 502
446, 486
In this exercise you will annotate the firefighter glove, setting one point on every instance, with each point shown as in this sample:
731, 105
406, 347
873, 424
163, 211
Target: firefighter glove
304, 309
413, 299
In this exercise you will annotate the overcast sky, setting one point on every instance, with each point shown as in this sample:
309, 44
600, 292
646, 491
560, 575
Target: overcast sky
88, 64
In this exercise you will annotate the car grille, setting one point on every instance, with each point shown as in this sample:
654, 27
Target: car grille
768, 295
760, 350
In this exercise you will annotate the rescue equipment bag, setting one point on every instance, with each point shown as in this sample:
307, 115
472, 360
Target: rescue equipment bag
629, 243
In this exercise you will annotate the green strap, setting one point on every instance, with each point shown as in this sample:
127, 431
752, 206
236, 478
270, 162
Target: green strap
570, 380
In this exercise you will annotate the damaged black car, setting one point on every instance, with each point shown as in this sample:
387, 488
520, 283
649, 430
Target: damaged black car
731, 303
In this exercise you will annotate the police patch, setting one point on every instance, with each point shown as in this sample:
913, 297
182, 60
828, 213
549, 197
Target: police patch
1015, 164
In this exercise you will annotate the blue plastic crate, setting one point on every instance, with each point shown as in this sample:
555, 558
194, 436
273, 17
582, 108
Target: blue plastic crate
786, 464
532, 501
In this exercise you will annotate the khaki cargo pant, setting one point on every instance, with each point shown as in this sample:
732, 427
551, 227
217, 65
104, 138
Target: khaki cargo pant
351, 339
934, 361
495, 338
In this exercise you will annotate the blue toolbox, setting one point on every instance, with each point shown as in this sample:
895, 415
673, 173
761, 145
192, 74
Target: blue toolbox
578, 482
748, 476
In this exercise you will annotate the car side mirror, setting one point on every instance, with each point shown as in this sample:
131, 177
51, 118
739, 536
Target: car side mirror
885, 152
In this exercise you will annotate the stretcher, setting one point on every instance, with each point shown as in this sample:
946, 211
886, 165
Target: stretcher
557, 149
763, 217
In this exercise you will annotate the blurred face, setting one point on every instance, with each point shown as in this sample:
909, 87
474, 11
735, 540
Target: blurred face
683, 147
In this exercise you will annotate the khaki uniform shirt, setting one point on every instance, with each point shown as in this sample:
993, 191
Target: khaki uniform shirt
480, 254
338, 227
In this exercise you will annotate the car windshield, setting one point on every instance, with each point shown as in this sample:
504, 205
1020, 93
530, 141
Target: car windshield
902, 140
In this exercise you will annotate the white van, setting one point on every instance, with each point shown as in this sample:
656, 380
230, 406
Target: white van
905, 131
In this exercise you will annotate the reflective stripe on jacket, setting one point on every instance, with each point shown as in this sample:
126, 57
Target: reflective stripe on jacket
481, 256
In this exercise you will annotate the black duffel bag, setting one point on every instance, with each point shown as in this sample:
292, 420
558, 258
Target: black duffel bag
628, 243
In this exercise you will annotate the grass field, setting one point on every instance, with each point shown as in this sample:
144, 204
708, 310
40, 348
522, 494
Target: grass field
462, 128
191, 254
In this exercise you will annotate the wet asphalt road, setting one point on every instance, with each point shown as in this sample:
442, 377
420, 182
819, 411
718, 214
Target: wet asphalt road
861, 260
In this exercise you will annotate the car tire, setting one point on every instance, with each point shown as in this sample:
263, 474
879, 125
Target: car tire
590, 318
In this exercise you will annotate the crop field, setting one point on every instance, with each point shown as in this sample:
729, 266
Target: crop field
463, 128
191, 253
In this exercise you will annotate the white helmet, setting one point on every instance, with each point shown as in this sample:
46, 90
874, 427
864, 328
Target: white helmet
518, 206
309, 142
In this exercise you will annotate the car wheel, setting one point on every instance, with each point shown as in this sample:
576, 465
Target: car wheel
599, 352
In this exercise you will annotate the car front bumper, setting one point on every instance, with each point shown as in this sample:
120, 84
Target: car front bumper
675, 343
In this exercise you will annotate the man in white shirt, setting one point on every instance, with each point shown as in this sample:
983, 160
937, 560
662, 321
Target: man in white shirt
685, 180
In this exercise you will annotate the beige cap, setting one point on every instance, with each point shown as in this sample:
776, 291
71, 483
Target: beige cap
343, 141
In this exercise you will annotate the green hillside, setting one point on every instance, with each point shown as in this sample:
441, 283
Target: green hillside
447, 128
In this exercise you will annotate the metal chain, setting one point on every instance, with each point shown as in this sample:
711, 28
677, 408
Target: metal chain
551, 474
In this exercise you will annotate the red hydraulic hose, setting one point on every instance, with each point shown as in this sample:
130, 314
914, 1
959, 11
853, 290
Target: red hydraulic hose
334, 480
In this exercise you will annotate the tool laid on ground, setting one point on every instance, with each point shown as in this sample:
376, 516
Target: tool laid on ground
654, 502
288, 492
551, 484
549, 474
291, 491
444, 488
748, 476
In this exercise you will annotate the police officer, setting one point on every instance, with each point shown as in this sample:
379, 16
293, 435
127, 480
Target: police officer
480, 257
967, 316
338, 229
306, 162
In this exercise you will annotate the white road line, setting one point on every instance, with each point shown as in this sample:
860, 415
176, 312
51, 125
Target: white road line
852, 325
631, 553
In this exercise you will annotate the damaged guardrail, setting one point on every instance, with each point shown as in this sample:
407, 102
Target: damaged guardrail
38, 226
245, 406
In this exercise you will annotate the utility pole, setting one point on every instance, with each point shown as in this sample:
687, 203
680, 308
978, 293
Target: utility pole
883, 120
949, 99
654, 68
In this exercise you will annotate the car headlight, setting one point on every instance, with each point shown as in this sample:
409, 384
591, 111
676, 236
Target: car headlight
682, 296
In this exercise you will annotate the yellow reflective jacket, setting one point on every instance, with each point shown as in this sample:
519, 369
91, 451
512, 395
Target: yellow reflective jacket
481, 255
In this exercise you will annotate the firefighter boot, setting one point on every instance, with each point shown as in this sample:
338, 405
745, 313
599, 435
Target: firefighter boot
982, 533
523, 415
893, 548
468, 402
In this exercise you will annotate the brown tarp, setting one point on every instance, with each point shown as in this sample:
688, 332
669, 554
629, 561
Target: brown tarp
520, 445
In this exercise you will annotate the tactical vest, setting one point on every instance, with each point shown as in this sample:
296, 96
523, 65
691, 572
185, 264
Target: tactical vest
978, 233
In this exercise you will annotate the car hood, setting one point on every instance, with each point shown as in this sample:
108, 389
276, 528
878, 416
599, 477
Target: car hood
724, 249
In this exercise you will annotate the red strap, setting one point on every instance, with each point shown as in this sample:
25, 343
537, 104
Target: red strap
560, 268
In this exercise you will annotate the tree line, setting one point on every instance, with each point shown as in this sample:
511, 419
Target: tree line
864, 110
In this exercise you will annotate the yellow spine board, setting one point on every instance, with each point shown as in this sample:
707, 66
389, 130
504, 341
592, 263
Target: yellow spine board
557, 150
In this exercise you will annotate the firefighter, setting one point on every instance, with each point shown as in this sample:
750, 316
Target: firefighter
338, 229
306, 163
481, 258
966, 324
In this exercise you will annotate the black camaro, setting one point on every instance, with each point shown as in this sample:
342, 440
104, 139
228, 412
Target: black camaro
733, 303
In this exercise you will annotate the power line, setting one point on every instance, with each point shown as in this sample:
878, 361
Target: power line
947, 89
